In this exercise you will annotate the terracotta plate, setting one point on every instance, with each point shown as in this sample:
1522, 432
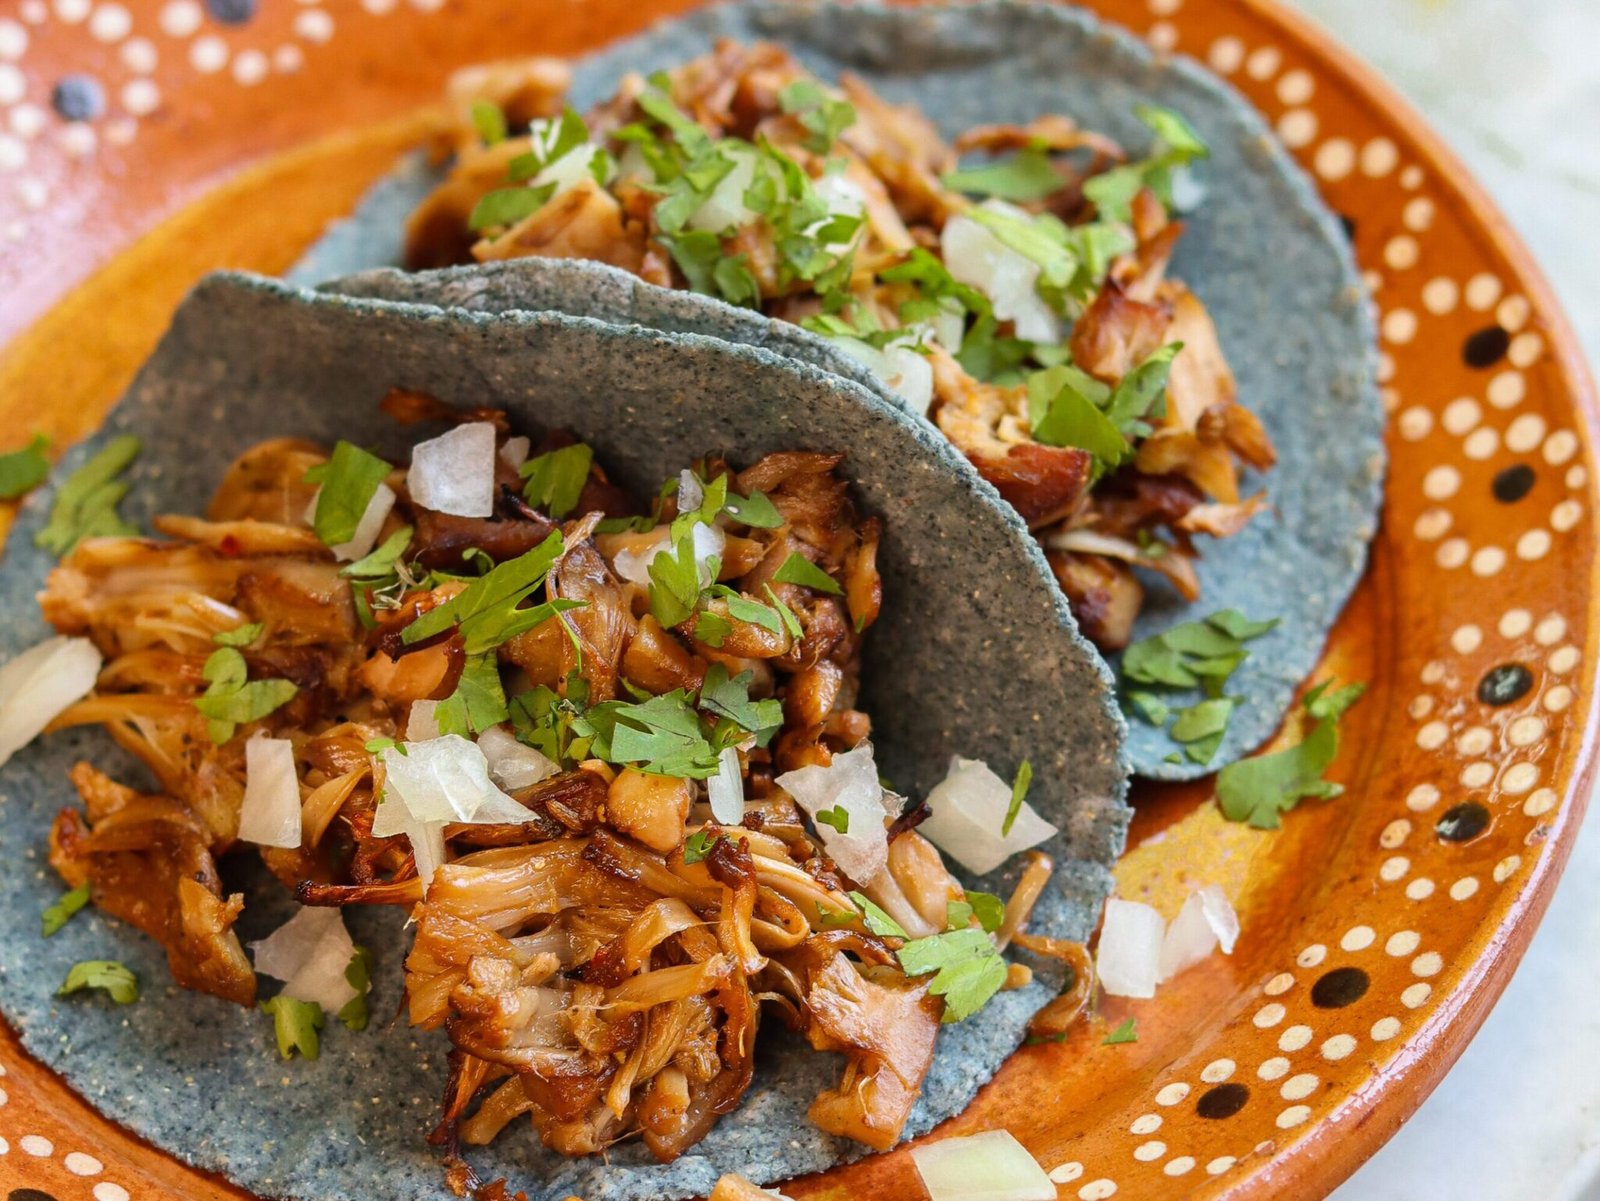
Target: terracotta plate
145, 141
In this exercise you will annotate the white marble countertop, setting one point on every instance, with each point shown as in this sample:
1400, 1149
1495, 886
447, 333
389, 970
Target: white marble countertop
1514, 86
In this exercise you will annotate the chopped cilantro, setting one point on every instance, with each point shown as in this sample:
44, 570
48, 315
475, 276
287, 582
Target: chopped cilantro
1149, 706
507, 206
555, 480
989, 909
487, 611
1025, 176
957, 915
295, 1025
677, 579
358, 974
111, 977
1200, 727
709, 270
240, 636
1260, 790
231, 699
825, 117
1142, 393
790, 621
875, 919
661, 735
729, 700
797, 569
1067, 407
376, 746
543, 719
1176, 146
489, 121
21, 471
60, 913
1019, 792
698, 845
479, 700
966, 968
838, 817
1122, 1034
550, 139
1193, 651
381, 562
755, 510
1236, 625
348, 481
86, 503
711, 629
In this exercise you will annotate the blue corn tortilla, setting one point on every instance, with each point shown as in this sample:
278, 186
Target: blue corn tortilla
1268, 259
975, 653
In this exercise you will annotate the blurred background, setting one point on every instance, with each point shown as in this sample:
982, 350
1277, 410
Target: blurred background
1514, 87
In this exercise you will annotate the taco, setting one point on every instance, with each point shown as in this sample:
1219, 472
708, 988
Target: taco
924, 201
614, 747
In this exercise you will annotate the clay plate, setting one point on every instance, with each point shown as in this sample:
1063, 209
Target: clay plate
219, 135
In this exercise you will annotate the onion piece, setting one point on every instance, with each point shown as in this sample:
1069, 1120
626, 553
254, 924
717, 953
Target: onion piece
1010, 279
1128, 961
903, 370
310, 953
367, 529
724, 209
849, 783
513, 765
1205, 920
992, 1166
40, 684
514, 451
691, 493
421, 723
967, 810
633, 564
269, 816
444, 779
454, 473
726, 789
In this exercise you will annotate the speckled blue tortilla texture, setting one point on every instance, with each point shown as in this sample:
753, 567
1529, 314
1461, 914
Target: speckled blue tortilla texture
975, 653
1264, 254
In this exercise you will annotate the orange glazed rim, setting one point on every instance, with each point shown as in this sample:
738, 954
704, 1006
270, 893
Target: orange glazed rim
1373, 946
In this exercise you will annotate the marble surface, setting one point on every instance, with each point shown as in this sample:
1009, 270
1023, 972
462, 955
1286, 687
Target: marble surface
1514, 87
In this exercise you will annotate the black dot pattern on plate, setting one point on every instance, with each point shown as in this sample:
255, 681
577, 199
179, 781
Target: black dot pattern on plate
1462, 823
1222, 1101
232, 12
1512, 484
1504, 684
1340, 987
1486, 347
78, 98
29, 1194
1349, 224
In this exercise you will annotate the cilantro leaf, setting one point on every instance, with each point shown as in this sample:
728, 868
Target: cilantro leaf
824, 116
957, 915
380, 564
1260, 790
1236, 625
489, 121
21, 471
295, 1025
86, 503
1025, 176
1066, 408
1149, 706
677, 579
231, 699
551, 139
838, 817
662, 736
698, 845
358, 974
240, 636
1180, 656
1142, 393
1176, 146
60, 913
111, 977
711, 629
349, 481
875, 919
1202, 726
966, 968
729, 699
543, 719
507, 206
791, 623
797, 569
555, 480
486, 612
1122, 1034
756, 511
989, 909
1043, 241
479, 700
1019, 792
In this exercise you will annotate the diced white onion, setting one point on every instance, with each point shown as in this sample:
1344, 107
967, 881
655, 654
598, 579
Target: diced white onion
1128, 961
270, 813
512, 764
515, 451
844, 198
691, 493
454, 473
976, 257
368, 528
850, 783
421, 722
726, 789
633, 563
902, 369
427, 846
724, 209
310, 953
570, 169
1205, 920
949, 328
41, 683
992, 1166
968, 808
